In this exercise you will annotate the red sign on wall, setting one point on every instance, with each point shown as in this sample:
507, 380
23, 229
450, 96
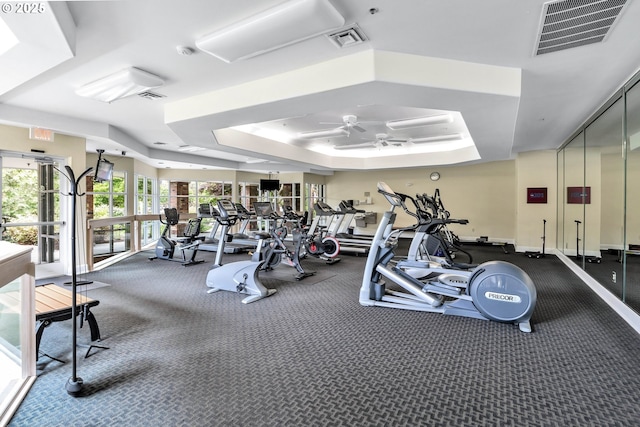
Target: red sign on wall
537, 195
579, 195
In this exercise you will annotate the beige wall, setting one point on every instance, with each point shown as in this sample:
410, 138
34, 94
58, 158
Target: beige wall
69, 148
484, 194
612, 206
536, 169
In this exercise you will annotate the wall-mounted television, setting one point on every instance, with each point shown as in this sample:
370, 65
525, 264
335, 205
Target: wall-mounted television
104, 171
269, 184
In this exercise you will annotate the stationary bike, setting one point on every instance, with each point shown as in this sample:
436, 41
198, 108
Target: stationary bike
493, 290
315, 242
187, 244
240, 276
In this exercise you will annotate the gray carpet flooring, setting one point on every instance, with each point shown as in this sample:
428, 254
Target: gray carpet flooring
310, 355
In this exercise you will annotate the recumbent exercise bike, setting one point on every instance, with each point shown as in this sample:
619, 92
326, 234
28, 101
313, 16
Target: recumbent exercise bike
187, 244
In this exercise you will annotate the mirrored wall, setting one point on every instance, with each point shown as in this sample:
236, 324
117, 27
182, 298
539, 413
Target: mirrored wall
599, 195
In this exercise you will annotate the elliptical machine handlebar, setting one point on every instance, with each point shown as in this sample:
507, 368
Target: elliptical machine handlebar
398, 199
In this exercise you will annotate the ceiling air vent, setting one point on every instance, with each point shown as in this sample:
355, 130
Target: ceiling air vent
348, 36
571, 23
150, 95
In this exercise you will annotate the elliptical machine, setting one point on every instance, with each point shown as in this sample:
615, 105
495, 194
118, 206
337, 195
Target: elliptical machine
240, 276
187, 244
493, 290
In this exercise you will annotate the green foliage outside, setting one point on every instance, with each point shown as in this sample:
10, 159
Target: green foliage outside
20, 204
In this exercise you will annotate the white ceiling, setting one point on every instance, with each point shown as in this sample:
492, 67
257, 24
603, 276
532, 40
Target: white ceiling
421, 58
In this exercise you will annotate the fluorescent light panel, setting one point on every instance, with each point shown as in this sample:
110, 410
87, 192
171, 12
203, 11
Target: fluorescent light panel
438, 138
420, 121
190, 148
323, 133
127, 82
274, 28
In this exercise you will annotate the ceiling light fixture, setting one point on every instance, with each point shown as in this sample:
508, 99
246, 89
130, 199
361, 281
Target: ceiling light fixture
271, 29
420, 121
190, 148
438, 138
127, 82
324, 133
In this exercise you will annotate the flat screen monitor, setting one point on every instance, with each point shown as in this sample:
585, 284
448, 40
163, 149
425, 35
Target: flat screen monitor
104, 171
269, 185
263, 209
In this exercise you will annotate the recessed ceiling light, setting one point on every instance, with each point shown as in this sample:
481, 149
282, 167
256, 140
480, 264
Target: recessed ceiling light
323, 133
437, 138
190, 148
285, 24
420, 121
127, 82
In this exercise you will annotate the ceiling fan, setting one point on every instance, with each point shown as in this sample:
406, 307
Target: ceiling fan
382, 140
348, 122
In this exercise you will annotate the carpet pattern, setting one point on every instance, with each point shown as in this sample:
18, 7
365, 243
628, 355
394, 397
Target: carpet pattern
310, 355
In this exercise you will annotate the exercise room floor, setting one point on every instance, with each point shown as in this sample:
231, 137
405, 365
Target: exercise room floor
312, 355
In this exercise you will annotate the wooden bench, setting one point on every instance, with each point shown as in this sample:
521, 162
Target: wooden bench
54, 304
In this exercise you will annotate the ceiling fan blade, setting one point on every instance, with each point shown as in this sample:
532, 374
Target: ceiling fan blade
358, 128
396, 140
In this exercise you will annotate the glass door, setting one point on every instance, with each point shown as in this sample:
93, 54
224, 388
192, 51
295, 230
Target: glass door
30, 203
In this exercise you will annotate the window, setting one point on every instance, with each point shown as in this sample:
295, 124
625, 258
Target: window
186, 196
146, 195
146, 192
248, 193
288, 195
108, 198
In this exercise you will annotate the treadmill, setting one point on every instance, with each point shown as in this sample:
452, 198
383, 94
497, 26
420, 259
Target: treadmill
211, 242
243, 237
343, 228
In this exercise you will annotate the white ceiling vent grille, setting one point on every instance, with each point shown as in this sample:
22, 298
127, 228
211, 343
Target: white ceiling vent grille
571, 23
348, 36
150, 95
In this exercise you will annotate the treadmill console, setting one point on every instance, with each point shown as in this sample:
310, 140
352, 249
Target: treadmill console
227, 209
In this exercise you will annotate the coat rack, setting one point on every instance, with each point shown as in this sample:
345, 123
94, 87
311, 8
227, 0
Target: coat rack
74, 384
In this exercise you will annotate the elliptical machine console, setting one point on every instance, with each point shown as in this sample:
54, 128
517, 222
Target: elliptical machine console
494, 290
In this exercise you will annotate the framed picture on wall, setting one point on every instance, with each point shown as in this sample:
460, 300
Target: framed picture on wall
579, 195
537, 195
